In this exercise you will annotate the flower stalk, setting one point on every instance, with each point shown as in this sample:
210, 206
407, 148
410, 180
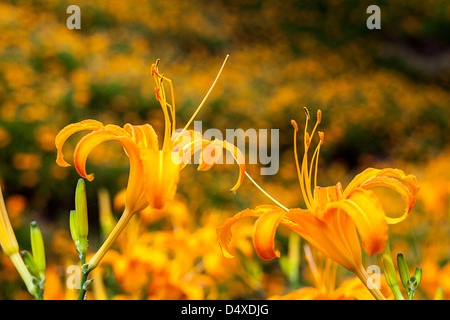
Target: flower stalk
10, 246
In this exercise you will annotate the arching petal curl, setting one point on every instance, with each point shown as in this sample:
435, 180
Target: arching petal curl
69, 130
264, 233
396, 179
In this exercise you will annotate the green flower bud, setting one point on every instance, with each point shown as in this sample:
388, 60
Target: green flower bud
81, 216
81, 208
403, 270
73, 226
418, 275
37, 247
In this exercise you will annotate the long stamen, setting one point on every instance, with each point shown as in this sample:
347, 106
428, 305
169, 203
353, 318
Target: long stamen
319, 119
299, 173
305, 175
313, 164
305, 178
307, 138
156, 75
204, 99
315, 161
265, 193
321, 135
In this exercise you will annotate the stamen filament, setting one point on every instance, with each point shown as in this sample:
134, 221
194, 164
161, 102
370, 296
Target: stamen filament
204, 99
306, 180
304, 175
306, 135
161, 97
318, 121
299, 174
171, 106
317, 159
315, 163
265, 193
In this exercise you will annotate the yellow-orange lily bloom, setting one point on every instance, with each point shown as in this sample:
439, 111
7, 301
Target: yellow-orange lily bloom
154, 172
9, 244
334, 217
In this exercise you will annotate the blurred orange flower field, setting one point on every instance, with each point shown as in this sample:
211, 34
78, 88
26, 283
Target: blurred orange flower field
357, 124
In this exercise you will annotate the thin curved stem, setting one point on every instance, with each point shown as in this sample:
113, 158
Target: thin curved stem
120, 225
265, 193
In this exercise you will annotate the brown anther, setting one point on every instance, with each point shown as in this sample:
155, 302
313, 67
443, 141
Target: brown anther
294, 124
307, 112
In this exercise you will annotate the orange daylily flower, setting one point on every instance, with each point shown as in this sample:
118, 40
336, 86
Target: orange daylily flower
334, 217
154, 172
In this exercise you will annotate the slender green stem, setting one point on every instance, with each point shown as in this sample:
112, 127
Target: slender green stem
397, 293
84, 276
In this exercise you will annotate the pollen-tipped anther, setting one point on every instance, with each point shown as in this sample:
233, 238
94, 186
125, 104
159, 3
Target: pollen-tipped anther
319, 116
321, 136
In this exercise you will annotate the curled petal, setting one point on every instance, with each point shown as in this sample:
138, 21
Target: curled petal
69, 130
185, 145
144, 136
364, 208
264, 233
396, 179
211, 154
93, 139
239, 157
135, 196
182, 139
224, 230
208, 160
